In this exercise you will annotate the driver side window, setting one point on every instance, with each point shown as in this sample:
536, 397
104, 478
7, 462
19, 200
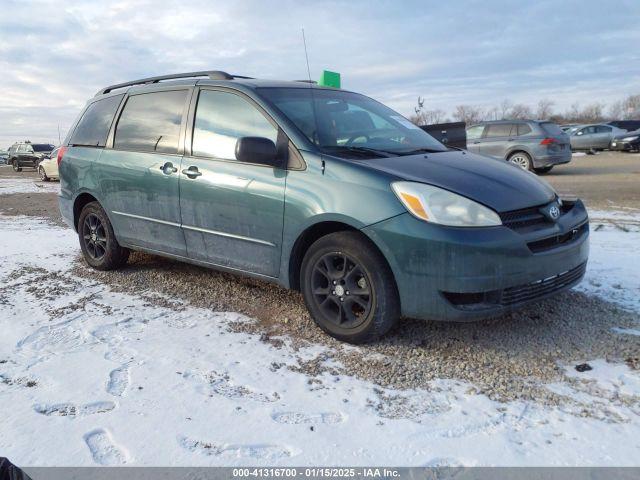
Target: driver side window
221, 119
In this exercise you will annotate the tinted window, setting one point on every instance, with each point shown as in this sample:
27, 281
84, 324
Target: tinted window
42, 147
603, 129
523, 129
588, 130
498, 130
551, 128
337, 121
222, 118
151, 122
93, 127
475, 132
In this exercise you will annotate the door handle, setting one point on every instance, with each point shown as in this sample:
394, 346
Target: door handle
191, 172
168, 168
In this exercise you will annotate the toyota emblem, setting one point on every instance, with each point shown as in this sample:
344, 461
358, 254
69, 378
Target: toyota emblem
554, 212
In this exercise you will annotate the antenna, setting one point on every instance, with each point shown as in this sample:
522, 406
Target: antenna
59, 140
306, 56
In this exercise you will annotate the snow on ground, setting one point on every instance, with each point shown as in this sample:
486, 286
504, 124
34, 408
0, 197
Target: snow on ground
92, 376
26, 185
614, 258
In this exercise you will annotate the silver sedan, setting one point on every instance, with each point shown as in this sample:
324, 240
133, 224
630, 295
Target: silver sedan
591, 138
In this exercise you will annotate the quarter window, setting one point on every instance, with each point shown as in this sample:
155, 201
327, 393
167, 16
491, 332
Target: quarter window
150, 122
221, 119
93, 127
523, 129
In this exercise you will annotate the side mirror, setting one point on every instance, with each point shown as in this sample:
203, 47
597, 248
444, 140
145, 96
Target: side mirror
257, 150
579, 133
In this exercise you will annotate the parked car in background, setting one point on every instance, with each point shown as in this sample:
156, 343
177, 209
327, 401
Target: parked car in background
451, 134
627, 142
48, 167
569, 129
27, 154
532, 145
593, 138
4, 157
628, 125
317, 189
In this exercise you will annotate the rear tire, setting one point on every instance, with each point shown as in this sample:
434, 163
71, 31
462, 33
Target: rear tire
98, 242
543, 170
43, 174
522, 160
591, 151
348, 288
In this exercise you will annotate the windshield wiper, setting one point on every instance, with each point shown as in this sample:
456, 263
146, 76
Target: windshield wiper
420, 150
360, 150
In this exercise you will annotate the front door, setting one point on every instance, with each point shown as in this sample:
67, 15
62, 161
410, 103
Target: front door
139, 177
474, 138
496, 139
232, 212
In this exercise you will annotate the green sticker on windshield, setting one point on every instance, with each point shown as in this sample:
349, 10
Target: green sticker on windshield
329, 79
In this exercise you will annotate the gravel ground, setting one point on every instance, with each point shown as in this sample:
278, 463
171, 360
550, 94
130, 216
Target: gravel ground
509, 358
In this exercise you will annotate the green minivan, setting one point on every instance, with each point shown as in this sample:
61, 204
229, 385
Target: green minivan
317, 189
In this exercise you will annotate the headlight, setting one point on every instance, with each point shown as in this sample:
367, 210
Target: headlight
630, 139
436, 205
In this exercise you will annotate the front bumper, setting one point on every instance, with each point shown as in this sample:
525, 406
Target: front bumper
463, 274
618, 145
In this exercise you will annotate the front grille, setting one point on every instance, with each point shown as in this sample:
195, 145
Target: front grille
477, 301
557, 240
531, 291
527, 217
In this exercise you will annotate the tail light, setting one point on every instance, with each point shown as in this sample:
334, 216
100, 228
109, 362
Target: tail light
61, 152
548, 141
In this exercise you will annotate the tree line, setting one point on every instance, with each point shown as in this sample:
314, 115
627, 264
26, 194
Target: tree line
626, 109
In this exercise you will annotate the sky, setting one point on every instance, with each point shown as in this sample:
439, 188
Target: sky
54, 56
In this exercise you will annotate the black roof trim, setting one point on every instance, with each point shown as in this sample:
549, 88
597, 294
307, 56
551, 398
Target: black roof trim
212, 74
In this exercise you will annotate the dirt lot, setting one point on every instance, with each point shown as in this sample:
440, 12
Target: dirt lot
565, 329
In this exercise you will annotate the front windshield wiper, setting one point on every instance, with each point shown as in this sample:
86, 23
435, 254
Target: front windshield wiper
420, 150
361, 150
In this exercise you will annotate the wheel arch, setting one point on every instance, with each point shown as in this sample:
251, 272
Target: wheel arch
78, 204
313, 233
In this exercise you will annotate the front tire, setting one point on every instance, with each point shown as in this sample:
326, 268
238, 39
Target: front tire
16, 166
43, 174
522, 160
98, 242
349, 289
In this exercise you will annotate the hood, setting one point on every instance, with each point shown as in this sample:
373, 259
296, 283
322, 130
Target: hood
633, 133
494, 183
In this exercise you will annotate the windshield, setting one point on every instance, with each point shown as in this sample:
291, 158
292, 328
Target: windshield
347, 124
42, 147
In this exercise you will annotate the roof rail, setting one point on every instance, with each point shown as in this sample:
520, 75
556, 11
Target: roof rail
307, 81
212, 74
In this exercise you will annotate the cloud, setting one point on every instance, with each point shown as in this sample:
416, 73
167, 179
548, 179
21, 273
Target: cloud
56, 55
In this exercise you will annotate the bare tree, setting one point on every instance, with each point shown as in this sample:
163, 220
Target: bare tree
631, 107
545, 109
505, 108
520, 111
468, 114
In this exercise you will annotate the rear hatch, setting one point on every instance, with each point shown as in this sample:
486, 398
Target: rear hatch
560, 142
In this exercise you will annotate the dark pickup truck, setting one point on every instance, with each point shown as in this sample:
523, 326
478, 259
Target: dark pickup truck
451, 134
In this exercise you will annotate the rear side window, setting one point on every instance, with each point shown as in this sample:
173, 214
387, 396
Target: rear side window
603, 129
551, 128
150, 122
498, 130
93, 127
523, 129
221, 119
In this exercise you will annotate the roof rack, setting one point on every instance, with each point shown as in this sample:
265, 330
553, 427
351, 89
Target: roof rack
212, 74
307, 81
